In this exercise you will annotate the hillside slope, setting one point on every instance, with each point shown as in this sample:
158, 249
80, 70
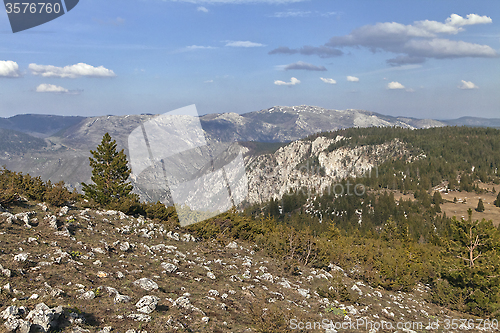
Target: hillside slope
81, 270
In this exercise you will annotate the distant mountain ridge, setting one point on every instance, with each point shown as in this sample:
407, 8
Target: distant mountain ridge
474, 122
62, 145
39, 125
276, 124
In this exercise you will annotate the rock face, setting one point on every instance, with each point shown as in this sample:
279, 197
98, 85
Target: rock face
310, 165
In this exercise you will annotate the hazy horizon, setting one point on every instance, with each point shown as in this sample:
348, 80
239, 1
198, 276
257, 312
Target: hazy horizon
205, 114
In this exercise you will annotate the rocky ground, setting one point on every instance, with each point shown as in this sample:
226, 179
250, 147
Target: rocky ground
80, 270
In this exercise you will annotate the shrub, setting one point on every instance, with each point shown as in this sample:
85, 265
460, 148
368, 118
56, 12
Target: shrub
58, 194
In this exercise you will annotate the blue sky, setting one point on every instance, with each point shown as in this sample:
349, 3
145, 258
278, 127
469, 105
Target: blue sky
424, 59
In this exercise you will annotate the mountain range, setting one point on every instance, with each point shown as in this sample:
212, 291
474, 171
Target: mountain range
57, 147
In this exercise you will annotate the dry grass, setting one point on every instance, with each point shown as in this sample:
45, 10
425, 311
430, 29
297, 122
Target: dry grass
466, 200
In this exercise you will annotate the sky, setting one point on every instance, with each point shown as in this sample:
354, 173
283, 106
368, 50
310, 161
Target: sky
422, 59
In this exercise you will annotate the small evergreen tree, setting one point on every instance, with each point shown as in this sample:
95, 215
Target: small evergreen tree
109, 174
437, 199
480, 206
497, 201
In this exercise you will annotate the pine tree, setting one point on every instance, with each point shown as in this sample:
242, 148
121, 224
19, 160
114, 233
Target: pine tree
480, 206
109, 174
497, 201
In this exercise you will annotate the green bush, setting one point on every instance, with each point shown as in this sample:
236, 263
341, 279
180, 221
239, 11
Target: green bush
58, 194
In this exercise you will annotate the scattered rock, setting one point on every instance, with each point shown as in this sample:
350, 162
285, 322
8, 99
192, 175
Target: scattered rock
140, 317
146, 284
78, 329
21, 257
122, 298
304, 292
102, 274
147, 304
43, 206
169, 267
174, 236
182, 302
17, 325
52, 220
211, 275
232, 245
98, 250
356, 289
88, 295
64, 210
44, 318
5, 271
125, 246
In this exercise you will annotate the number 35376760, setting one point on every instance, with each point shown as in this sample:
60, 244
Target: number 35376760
32, 8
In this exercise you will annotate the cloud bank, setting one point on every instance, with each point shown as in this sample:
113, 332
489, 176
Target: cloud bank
418, 41
413, 43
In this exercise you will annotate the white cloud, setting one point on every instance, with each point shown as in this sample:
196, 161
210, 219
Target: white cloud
352, 79
209, 81
71, 72
50, 88
457, 20
467, 85
243, 44
304, 66
395, 85
9, 69
199, 47
193, 48
293, 81
202, 9
329, 81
